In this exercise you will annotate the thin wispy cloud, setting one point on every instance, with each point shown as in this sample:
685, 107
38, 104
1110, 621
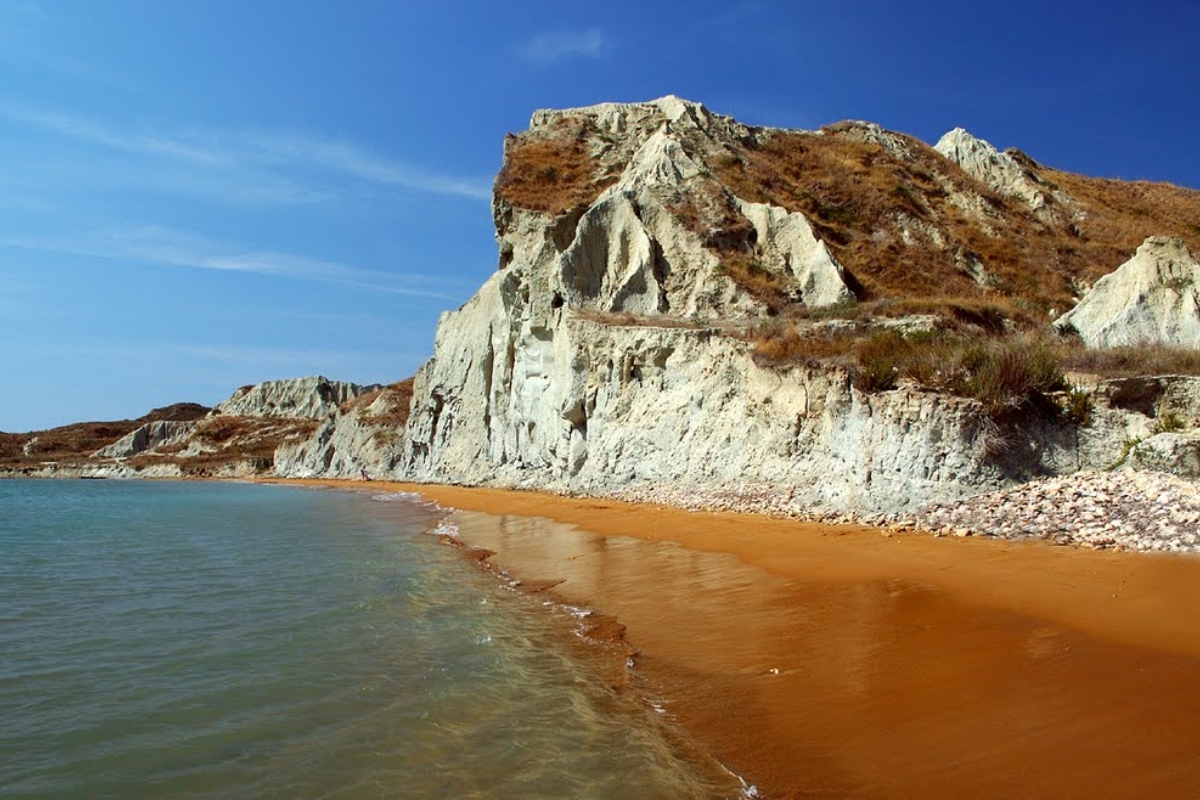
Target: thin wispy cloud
355, 161
303, 358
277, 156
93, 132
160, 246
556, 46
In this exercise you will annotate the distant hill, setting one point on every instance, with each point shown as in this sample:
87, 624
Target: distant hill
76, 441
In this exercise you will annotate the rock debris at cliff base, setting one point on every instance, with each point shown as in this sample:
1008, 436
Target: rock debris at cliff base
1128, 510
1125, 510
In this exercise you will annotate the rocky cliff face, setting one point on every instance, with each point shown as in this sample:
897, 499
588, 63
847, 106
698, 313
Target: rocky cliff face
579, 405
364, 436
1153, 298
614, 346
686, 301
160, 433
310, 398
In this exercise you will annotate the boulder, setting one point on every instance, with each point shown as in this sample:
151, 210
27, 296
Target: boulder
1152, 298
979, 159
790, 245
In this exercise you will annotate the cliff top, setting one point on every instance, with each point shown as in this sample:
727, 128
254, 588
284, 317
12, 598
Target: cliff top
959, 228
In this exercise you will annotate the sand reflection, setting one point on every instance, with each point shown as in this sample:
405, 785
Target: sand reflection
882, 687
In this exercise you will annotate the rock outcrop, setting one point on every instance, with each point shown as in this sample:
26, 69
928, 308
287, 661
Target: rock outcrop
1153, 298
1000, 171
365, 436
789, 245
535, 382
309, 398
148, 437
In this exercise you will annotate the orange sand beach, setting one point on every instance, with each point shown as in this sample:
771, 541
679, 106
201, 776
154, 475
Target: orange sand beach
819, 661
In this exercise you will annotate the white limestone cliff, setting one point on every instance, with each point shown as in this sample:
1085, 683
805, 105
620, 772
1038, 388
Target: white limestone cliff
147, 437
1153, 298
311, 398
360, 438
528, 386
581, 406
602, 353
979, 159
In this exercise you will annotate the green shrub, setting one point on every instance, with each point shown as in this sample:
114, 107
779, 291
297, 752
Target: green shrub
1003, 375
1168, 423
1078, 407
1008, 375
877, 363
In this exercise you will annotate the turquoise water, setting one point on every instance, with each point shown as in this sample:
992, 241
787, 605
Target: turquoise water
241, 641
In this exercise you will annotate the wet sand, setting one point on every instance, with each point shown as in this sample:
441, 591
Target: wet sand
818, 661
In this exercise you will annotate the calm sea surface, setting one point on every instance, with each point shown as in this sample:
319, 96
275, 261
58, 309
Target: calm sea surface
240, 641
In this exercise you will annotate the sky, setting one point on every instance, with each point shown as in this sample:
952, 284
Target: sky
197, 196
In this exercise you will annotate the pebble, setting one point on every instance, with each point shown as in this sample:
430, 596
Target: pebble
1121, 510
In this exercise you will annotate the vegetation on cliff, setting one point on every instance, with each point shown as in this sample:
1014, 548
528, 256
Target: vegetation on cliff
917, 235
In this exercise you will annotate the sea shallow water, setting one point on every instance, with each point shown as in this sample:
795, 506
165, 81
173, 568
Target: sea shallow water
163, 639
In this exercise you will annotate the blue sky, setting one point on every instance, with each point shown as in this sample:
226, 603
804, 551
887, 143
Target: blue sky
196, 196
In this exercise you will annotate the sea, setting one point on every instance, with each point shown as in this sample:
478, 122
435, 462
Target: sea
228, 640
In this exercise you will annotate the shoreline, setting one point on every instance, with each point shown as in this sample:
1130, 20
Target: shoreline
1131, 598
846, 660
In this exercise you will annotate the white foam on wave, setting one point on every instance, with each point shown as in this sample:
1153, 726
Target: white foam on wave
574, 611
445, 528
402, 497
749, 791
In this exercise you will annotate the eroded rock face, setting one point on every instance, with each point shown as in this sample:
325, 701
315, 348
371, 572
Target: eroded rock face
357, 440
578, 405
790, 246
979, 159
532, 384
604, 352
308, 398
147, 437
1153, 298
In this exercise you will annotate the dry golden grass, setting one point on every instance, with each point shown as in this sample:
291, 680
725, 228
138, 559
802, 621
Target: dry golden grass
74, 443
1121, 214
397, 399
252, 436
69, 443
1125, 362
856, 193
780, 344
768, 288
552, 170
